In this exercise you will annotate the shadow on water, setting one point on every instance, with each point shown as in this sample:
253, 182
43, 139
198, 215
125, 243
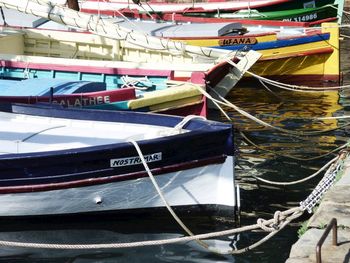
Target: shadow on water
269, 158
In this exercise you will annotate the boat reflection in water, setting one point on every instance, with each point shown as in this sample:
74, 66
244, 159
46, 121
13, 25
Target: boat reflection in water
106, 231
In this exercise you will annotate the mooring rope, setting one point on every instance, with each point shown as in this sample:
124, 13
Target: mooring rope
279, 221
297, 181
160, 193
291, 156
3, 16
345, 12
283, 217
297, 88
290, 87
229, 104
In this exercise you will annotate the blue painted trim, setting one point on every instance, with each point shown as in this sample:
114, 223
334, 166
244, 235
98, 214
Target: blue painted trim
206, 139
278, 43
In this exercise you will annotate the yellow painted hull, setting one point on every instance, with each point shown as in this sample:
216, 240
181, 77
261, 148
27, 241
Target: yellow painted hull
319, 58
316, 61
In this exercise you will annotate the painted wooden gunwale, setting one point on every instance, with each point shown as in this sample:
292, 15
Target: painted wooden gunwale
112, 178
204, 6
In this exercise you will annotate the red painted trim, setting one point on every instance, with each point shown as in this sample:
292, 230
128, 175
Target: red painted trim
251, 4
318, 22
86, 69
244, 22
111, 179
134, 13
79, 99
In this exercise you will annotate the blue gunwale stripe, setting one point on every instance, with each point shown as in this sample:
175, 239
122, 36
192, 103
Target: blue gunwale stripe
279, 43
206, 139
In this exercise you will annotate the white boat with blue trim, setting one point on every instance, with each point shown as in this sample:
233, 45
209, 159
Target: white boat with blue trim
58, 161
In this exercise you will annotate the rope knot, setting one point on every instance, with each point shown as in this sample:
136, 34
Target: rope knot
263, 225
276, 220
275, 225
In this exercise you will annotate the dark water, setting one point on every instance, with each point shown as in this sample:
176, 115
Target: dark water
282, 109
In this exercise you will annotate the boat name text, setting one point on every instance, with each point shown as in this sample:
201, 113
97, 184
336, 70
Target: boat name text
238, 41
80, 102
154, 157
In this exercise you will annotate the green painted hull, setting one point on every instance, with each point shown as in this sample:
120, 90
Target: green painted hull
298, 15
298, 4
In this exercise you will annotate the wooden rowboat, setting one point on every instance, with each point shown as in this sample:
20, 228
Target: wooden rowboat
314, 56
313, 12
184, 98
68, 162
164, 6
323, 13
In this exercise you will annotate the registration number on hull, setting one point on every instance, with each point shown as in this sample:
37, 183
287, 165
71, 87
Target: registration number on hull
304, 18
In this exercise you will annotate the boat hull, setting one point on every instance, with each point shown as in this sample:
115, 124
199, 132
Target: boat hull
327, 12
73, 162
318, 61
314, 56
210, 187
202, 6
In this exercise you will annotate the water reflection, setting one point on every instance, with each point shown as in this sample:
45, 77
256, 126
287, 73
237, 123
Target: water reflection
283, 109
270, 158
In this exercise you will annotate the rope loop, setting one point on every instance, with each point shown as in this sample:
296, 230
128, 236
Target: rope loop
273, 225
262, 224
277, 220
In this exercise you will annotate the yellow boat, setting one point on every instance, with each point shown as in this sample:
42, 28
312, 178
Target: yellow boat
313, 57
316, 62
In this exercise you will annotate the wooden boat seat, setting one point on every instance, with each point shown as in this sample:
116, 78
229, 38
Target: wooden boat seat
162, 96
12, 42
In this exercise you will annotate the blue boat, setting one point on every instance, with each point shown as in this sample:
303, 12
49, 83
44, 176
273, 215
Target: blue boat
183, 99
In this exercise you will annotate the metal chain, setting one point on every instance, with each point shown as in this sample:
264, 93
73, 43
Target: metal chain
327, 181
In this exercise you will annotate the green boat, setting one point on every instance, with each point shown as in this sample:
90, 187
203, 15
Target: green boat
298, 4
298, 15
